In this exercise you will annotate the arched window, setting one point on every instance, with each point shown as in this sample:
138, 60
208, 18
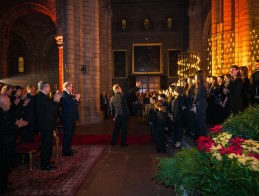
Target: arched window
20, 64
169, 23
124, 24
146, 24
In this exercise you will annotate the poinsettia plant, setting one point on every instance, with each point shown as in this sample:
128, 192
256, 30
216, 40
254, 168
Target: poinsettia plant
224, 163
219, 143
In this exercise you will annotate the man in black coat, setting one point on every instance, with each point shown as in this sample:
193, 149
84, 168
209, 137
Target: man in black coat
254, 91
9, 127
28, 132
119, 102
46, 121
104, 102
69, 114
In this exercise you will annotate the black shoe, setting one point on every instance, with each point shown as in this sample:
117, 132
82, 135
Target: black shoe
52, 163
113, 143
73, 151
161, 150
48, 168
68, 154
124, 145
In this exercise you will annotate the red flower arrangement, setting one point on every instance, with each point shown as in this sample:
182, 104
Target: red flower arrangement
231, 149
216, 129
205, 143
254, 155
222, 143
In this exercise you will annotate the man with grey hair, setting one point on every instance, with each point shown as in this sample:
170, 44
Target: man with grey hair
119, 102
69, 114
8, 129
46, 122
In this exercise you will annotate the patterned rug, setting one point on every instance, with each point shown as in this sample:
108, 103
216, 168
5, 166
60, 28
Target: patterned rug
65, 180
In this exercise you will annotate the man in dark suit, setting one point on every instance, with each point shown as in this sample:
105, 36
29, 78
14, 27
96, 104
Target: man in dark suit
46, 121
28, 132
9, 127
69, 114
119, 102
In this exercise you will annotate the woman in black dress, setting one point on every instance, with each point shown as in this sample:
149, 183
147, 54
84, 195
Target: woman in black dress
246, 86
200, 100
235, 90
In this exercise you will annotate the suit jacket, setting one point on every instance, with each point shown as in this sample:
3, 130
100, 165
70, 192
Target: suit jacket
235, 95
8, 129
69, 107
103, 100
200, 99
119, 102
177, 109
29, 112
45, 112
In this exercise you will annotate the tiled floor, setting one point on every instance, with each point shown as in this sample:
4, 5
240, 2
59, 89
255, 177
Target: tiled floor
126, 171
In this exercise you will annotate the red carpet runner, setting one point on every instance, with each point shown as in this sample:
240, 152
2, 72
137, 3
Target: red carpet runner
65, 180
106, 139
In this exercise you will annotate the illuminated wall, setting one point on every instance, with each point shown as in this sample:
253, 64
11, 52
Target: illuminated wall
234, 37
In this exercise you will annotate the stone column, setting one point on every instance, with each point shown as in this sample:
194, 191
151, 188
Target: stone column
95, 61
69, 42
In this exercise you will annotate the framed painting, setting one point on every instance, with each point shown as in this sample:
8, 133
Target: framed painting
172, 58
147, 58
119, 63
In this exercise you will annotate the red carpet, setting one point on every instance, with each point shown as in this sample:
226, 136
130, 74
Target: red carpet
65, 180
106, 139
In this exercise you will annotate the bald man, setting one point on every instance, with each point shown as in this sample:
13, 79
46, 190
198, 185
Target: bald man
9, 127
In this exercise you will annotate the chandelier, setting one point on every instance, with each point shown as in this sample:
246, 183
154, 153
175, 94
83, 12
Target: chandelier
188, 63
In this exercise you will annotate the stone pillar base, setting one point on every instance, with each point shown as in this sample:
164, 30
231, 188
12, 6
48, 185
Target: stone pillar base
96, 117
93, 118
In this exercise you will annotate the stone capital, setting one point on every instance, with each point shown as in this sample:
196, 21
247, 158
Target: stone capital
59, 40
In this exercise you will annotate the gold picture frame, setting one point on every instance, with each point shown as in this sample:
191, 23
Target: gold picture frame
147, 58
172, 66
119, 63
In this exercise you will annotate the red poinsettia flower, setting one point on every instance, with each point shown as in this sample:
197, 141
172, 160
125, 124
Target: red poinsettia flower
231, 149
205, 143
216, 129
254, 155
237, 141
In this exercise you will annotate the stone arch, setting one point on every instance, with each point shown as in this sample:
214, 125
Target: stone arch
22, 9
11, 15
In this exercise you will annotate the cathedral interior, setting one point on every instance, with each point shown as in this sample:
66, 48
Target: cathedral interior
97, 43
